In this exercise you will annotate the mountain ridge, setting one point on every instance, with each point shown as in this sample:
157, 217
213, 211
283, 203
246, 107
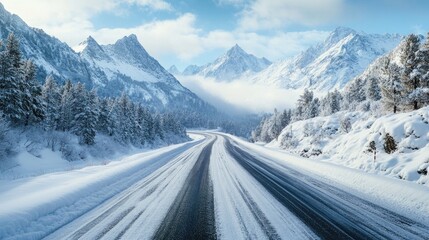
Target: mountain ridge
329, 65
233, 64
122, 67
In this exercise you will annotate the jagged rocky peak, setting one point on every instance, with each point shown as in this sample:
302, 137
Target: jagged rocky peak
191, 70
236, 50
89, 43
91, 49
340, 33
129, 49
173, 70
234, 64
130, 42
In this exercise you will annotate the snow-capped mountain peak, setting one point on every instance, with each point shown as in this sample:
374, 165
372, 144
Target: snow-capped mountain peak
332, 64
92, 49
236, 51
173, 70
233, 64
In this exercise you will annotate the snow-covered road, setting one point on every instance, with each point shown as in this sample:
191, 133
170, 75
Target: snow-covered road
213, 187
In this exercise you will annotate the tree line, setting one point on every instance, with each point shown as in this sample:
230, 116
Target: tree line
24, 103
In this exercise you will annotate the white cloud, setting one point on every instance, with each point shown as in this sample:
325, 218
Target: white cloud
71, 20
180, 37
236, 3
176, 38
241, 96
272, 14
155, 4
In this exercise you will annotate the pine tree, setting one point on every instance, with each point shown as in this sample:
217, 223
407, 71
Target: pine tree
335, 102
52, 99
84, 109
67, 100
88, 123
10, 80
13, 51
104, 123
355, 93
391, 88
121, 120
373, 91
148, 126
409, 77
313, 109
303, 105
32, 101
157, 128
422, 71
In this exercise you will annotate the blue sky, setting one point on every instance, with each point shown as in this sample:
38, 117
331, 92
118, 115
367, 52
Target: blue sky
187, 32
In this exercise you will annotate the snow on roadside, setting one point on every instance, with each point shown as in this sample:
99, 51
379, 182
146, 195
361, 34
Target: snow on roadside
28, 199
403, 197
326, 138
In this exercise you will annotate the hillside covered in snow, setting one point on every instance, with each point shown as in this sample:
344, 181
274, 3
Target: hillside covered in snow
359, 140
378, 123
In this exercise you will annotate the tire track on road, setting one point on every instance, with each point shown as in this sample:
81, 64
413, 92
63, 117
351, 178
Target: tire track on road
192, 214
331, 217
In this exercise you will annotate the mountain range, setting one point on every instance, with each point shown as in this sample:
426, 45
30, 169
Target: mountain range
112, 69
232, 65
329, 65
344, 55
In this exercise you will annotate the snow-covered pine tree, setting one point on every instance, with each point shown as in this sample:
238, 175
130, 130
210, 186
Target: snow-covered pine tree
336, 101
10, 77
140, 123
372, 90
13, 51
104, 123
148, 126
409, 77
422, 71
313, 109
85, 112
355, 94
52, 101
285, 118
67, 99
391, 88
157, 128
88, 122
121, 120
303, 105
32, 101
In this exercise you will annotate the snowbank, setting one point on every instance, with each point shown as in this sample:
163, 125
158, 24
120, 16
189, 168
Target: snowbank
37, 152
329, 139
34, 206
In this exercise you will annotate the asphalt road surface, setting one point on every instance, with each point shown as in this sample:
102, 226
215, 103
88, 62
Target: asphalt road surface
264, 199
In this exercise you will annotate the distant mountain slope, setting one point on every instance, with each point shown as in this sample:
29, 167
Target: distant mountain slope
233, 64
173, 70
51, 55
344, 55
112, 69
